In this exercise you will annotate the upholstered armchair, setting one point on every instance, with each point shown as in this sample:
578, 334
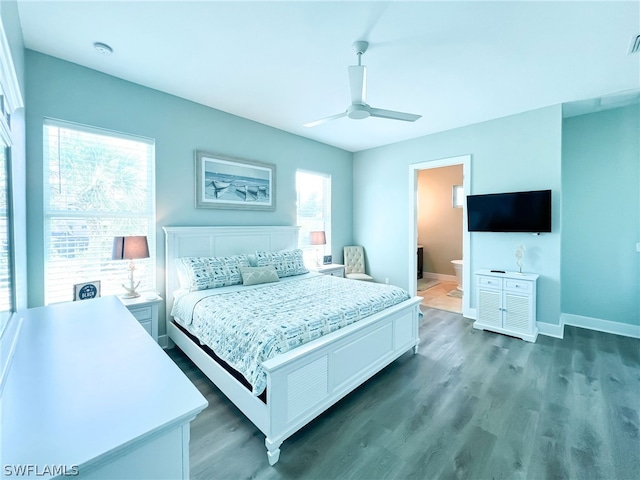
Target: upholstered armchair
354, 263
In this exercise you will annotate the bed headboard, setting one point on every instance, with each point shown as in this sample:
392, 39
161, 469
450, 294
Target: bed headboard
219, 242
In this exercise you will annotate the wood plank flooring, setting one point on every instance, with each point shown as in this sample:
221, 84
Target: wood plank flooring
470, 404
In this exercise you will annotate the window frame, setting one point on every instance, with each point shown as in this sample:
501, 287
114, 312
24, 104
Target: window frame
112, 268
311, 251
457, 196
11, 100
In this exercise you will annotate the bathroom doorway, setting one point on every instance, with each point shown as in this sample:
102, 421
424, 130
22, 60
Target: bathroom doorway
438, 232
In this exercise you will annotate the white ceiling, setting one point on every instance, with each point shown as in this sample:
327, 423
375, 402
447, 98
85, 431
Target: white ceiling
285, 63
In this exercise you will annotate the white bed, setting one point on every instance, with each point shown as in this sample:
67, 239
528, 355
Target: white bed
306, 381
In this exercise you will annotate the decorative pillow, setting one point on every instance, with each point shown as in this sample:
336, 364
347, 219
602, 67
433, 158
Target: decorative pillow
286, 262
201, 273
257, 275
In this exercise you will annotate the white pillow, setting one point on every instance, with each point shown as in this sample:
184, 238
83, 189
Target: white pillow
286, 262
257, 275
201, 273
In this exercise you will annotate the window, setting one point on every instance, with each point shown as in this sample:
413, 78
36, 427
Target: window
6, 247
98, 184
314, 211
10, 102
457, 196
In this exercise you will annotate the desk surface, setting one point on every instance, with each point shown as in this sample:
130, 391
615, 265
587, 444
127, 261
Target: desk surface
86, 380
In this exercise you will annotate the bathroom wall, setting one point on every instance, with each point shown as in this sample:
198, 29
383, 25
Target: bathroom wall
439, 224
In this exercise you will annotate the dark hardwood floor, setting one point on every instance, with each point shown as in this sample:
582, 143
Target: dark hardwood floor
470, 404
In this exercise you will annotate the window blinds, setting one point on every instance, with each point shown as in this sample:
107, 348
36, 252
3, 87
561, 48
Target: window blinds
98, 184
313, 210
6, 279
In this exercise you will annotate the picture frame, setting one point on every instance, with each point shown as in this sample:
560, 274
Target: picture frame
326, 260
234, 183
86, 290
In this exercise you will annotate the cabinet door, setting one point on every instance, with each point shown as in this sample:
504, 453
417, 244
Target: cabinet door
517, 312
489, 307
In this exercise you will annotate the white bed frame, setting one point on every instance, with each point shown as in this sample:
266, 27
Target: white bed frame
306, 381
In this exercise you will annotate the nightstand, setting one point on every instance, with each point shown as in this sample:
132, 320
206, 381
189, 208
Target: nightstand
145, 309
334, 269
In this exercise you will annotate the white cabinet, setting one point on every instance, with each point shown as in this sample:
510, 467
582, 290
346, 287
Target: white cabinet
507, 303
334, 269
145, 309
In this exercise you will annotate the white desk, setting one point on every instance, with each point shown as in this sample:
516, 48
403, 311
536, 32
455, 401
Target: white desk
90, 390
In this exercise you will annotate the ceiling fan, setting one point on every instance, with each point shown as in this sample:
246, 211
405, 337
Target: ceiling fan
359, 109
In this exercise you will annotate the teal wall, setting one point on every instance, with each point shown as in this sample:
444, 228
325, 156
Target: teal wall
66, 91
586, 156
519, 152
601, 215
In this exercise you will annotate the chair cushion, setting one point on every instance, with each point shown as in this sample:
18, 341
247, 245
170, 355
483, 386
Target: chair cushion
354, 259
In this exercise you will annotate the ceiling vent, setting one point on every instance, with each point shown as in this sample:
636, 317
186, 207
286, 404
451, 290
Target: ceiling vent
635, 45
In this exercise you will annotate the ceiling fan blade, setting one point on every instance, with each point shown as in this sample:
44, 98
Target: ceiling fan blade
325, 120
358, 83
381, 113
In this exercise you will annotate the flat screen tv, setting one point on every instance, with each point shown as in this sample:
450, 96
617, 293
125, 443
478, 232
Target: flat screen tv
510, 212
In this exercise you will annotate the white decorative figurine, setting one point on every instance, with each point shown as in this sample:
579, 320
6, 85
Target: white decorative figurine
520, 249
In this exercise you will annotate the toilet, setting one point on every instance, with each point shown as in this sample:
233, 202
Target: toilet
457, 266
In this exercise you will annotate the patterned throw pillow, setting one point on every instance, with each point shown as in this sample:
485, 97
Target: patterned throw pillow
257, 275
286, 262
201, 273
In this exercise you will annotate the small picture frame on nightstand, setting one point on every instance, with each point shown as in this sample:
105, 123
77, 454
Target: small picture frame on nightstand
326, 260
86, 290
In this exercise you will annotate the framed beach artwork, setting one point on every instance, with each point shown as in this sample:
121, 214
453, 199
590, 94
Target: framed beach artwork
225, 182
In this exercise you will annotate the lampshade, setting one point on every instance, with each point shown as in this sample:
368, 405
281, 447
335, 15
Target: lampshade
317, 238
129, 248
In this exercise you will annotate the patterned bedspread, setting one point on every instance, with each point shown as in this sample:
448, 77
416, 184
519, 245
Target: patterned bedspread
249, 325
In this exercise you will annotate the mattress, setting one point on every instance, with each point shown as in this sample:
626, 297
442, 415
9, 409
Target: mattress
246, 326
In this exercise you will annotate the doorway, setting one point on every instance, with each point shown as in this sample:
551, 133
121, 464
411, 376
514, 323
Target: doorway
413, 235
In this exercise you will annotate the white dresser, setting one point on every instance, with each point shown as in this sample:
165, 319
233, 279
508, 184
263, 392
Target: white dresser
507, 303
91, 394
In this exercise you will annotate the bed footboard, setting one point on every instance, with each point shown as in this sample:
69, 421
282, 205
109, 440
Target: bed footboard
305, 382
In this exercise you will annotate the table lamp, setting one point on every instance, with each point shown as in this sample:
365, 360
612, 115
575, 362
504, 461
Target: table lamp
130, 248
317, 237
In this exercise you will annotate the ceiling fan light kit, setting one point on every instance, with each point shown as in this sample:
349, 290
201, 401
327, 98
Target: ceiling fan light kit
359, 109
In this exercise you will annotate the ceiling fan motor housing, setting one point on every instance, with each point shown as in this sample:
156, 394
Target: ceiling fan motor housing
357, 111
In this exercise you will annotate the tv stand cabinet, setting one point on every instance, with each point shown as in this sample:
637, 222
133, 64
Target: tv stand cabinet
507, 303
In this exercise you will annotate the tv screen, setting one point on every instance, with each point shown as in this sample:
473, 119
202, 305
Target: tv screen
510, 212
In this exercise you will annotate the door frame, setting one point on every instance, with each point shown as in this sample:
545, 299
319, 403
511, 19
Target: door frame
412, 236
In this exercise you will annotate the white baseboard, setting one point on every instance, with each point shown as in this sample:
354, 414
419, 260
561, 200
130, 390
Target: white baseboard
163, 341
440, 276
550, 330
600, 325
